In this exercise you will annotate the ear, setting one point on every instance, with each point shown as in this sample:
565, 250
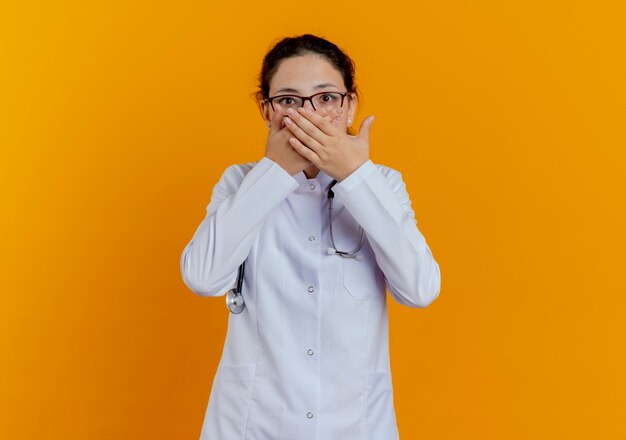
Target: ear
266, 111
352, 103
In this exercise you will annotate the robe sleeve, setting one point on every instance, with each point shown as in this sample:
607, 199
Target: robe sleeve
380, 204
239, 204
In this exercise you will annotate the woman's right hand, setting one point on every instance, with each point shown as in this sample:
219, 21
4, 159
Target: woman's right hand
278, 148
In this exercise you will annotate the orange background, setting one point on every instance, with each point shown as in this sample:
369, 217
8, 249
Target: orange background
507, 120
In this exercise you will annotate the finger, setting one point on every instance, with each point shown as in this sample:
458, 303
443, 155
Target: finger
302, 135
325, 112
329, 114
275, 126
301, 118
304, 151
324, 124
336, 117
364, 129
333, 115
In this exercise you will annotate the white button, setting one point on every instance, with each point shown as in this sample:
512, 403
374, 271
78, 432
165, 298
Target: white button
312, 187
310, 352
311, 237
311, 289
309, 415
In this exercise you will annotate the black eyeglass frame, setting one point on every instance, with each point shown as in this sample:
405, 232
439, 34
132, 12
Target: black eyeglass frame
307, 98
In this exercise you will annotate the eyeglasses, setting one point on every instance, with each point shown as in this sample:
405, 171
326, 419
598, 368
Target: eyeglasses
319, 101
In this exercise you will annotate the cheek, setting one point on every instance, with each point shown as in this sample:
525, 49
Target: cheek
340, 121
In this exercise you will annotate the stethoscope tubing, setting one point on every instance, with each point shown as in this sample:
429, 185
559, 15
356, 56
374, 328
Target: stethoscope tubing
333, 249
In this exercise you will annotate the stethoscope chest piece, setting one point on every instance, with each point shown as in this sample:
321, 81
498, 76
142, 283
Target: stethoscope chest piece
234, 301
234, 298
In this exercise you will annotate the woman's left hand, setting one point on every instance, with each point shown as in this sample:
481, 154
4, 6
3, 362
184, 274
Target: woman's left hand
326, 144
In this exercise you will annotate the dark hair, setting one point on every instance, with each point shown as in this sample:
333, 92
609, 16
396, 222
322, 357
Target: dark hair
303, 45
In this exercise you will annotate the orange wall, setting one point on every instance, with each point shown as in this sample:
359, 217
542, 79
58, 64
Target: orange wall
505, 118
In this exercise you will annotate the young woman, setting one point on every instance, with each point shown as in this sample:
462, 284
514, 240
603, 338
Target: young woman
323, 232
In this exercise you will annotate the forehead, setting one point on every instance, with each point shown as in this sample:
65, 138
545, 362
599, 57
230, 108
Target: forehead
303, 73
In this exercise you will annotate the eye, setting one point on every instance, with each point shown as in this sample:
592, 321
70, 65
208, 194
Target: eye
328, 99
287, 100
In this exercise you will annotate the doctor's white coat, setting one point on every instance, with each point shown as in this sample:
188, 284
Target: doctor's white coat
308, 359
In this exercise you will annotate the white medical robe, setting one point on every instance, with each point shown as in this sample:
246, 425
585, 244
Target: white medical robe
308, 358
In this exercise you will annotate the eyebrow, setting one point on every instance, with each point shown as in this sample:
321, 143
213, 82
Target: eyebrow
324, 85
317, 87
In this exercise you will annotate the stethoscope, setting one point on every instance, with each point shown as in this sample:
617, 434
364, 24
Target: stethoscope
234, 298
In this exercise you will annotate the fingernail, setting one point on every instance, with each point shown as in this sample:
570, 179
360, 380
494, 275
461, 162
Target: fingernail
287, 121
301, 109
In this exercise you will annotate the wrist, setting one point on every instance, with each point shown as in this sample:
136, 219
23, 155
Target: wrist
355, 166
291, 170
